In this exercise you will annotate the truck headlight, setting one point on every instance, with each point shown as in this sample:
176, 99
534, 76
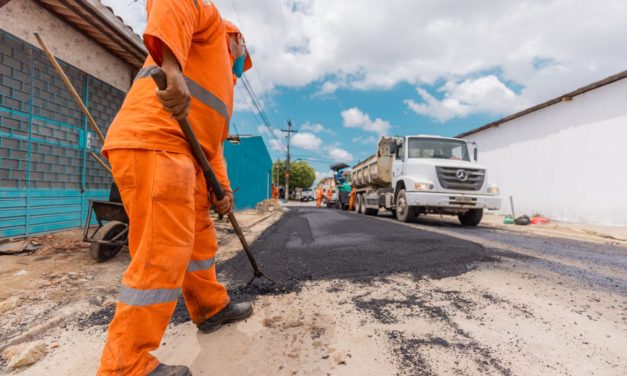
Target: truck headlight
494, 191
423, 187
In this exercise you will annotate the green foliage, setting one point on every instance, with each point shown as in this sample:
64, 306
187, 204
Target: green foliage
302, 175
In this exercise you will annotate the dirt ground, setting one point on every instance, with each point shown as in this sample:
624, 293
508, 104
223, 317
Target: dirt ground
58, 294
356, 296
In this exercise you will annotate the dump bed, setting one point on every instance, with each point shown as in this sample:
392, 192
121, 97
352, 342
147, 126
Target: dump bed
376, 170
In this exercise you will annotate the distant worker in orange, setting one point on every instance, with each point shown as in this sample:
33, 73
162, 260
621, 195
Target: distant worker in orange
329, 197
275, 192
319, 196
172, 239
351, 199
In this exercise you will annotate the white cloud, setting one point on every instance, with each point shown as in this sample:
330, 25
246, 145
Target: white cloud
340, 155
276, 145
307, 141
370, 44
473, 96
275, 142
355, 118
315, 128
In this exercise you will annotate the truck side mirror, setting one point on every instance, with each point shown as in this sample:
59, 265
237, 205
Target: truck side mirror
393, 148
476, 154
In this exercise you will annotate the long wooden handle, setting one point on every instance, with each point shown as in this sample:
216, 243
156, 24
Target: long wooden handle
101, 162
70, 87
197, 151
210, 177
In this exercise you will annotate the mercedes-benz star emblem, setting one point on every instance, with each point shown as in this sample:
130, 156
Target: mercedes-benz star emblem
462, 175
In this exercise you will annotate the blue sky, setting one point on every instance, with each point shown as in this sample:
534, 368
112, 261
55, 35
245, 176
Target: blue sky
347, 72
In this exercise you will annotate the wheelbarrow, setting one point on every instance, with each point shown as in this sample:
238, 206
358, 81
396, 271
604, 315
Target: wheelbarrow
111, 234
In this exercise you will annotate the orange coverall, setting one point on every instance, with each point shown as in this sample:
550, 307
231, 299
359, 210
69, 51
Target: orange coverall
275, 192
329, 196
172, 239
351, 200
319, 196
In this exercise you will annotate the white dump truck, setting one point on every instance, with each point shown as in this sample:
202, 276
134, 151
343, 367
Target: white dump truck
417, 175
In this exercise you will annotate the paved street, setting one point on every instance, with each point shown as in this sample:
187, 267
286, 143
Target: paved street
437, 298
359, 295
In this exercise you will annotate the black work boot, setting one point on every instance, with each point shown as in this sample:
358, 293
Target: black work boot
231, 313
163, 370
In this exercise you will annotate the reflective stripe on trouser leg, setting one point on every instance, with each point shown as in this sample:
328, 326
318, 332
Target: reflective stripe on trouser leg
159, 201
204, 295
200, 265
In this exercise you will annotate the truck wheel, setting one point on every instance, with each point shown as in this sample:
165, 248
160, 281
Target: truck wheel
102, 252
471, 218
357, 205
404, 212
362, 204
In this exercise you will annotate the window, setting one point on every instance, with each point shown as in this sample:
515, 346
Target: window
429, 148
400, 151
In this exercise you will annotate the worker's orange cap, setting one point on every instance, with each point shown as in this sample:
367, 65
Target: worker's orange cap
232, 29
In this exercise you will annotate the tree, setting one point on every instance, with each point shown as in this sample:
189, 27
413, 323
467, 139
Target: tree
302, 175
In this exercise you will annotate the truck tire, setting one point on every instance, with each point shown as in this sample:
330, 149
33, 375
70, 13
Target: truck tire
362, 204
404, 213
471, 218
102, 252
357, 207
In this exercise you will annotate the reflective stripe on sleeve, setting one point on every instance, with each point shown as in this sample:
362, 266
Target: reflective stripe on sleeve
203, 95
200, 265
207, 98
138, 298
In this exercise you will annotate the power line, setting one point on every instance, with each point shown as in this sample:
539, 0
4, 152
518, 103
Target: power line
241, 25
259, 109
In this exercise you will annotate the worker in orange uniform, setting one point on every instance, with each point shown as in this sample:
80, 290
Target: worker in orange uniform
275, 192
319, 196
172, 239
351, 199
329, 197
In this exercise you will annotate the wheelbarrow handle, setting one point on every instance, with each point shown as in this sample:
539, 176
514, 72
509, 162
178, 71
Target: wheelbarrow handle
212, 181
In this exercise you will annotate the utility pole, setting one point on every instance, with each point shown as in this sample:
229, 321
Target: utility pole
289, 132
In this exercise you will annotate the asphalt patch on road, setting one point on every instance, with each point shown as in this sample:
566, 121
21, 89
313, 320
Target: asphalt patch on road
309, 245
314, 245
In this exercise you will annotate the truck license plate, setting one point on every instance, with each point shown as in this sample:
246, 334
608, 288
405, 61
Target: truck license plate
463, 199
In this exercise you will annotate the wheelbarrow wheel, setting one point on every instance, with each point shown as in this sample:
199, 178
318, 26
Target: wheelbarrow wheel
102, 252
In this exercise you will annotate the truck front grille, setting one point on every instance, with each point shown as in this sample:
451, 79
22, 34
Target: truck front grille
450, 178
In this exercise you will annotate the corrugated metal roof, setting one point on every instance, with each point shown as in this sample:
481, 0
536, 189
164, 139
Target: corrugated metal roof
563, 98
102, 25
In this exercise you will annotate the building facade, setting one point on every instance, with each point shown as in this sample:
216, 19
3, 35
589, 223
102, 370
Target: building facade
250, 171
47, 174
565, 158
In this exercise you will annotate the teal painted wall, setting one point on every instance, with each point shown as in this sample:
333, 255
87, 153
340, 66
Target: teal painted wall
250, 169
46, 174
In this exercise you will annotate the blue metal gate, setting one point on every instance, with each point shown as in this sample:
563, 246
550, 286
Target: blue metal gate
46, 174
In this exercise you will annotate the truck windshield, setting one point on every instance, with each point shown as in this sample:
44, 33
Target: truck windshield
438, 149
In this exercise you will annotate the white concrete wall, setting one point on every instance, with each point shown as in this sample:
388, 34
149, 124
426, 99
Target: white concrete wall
567, 162
24, 17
